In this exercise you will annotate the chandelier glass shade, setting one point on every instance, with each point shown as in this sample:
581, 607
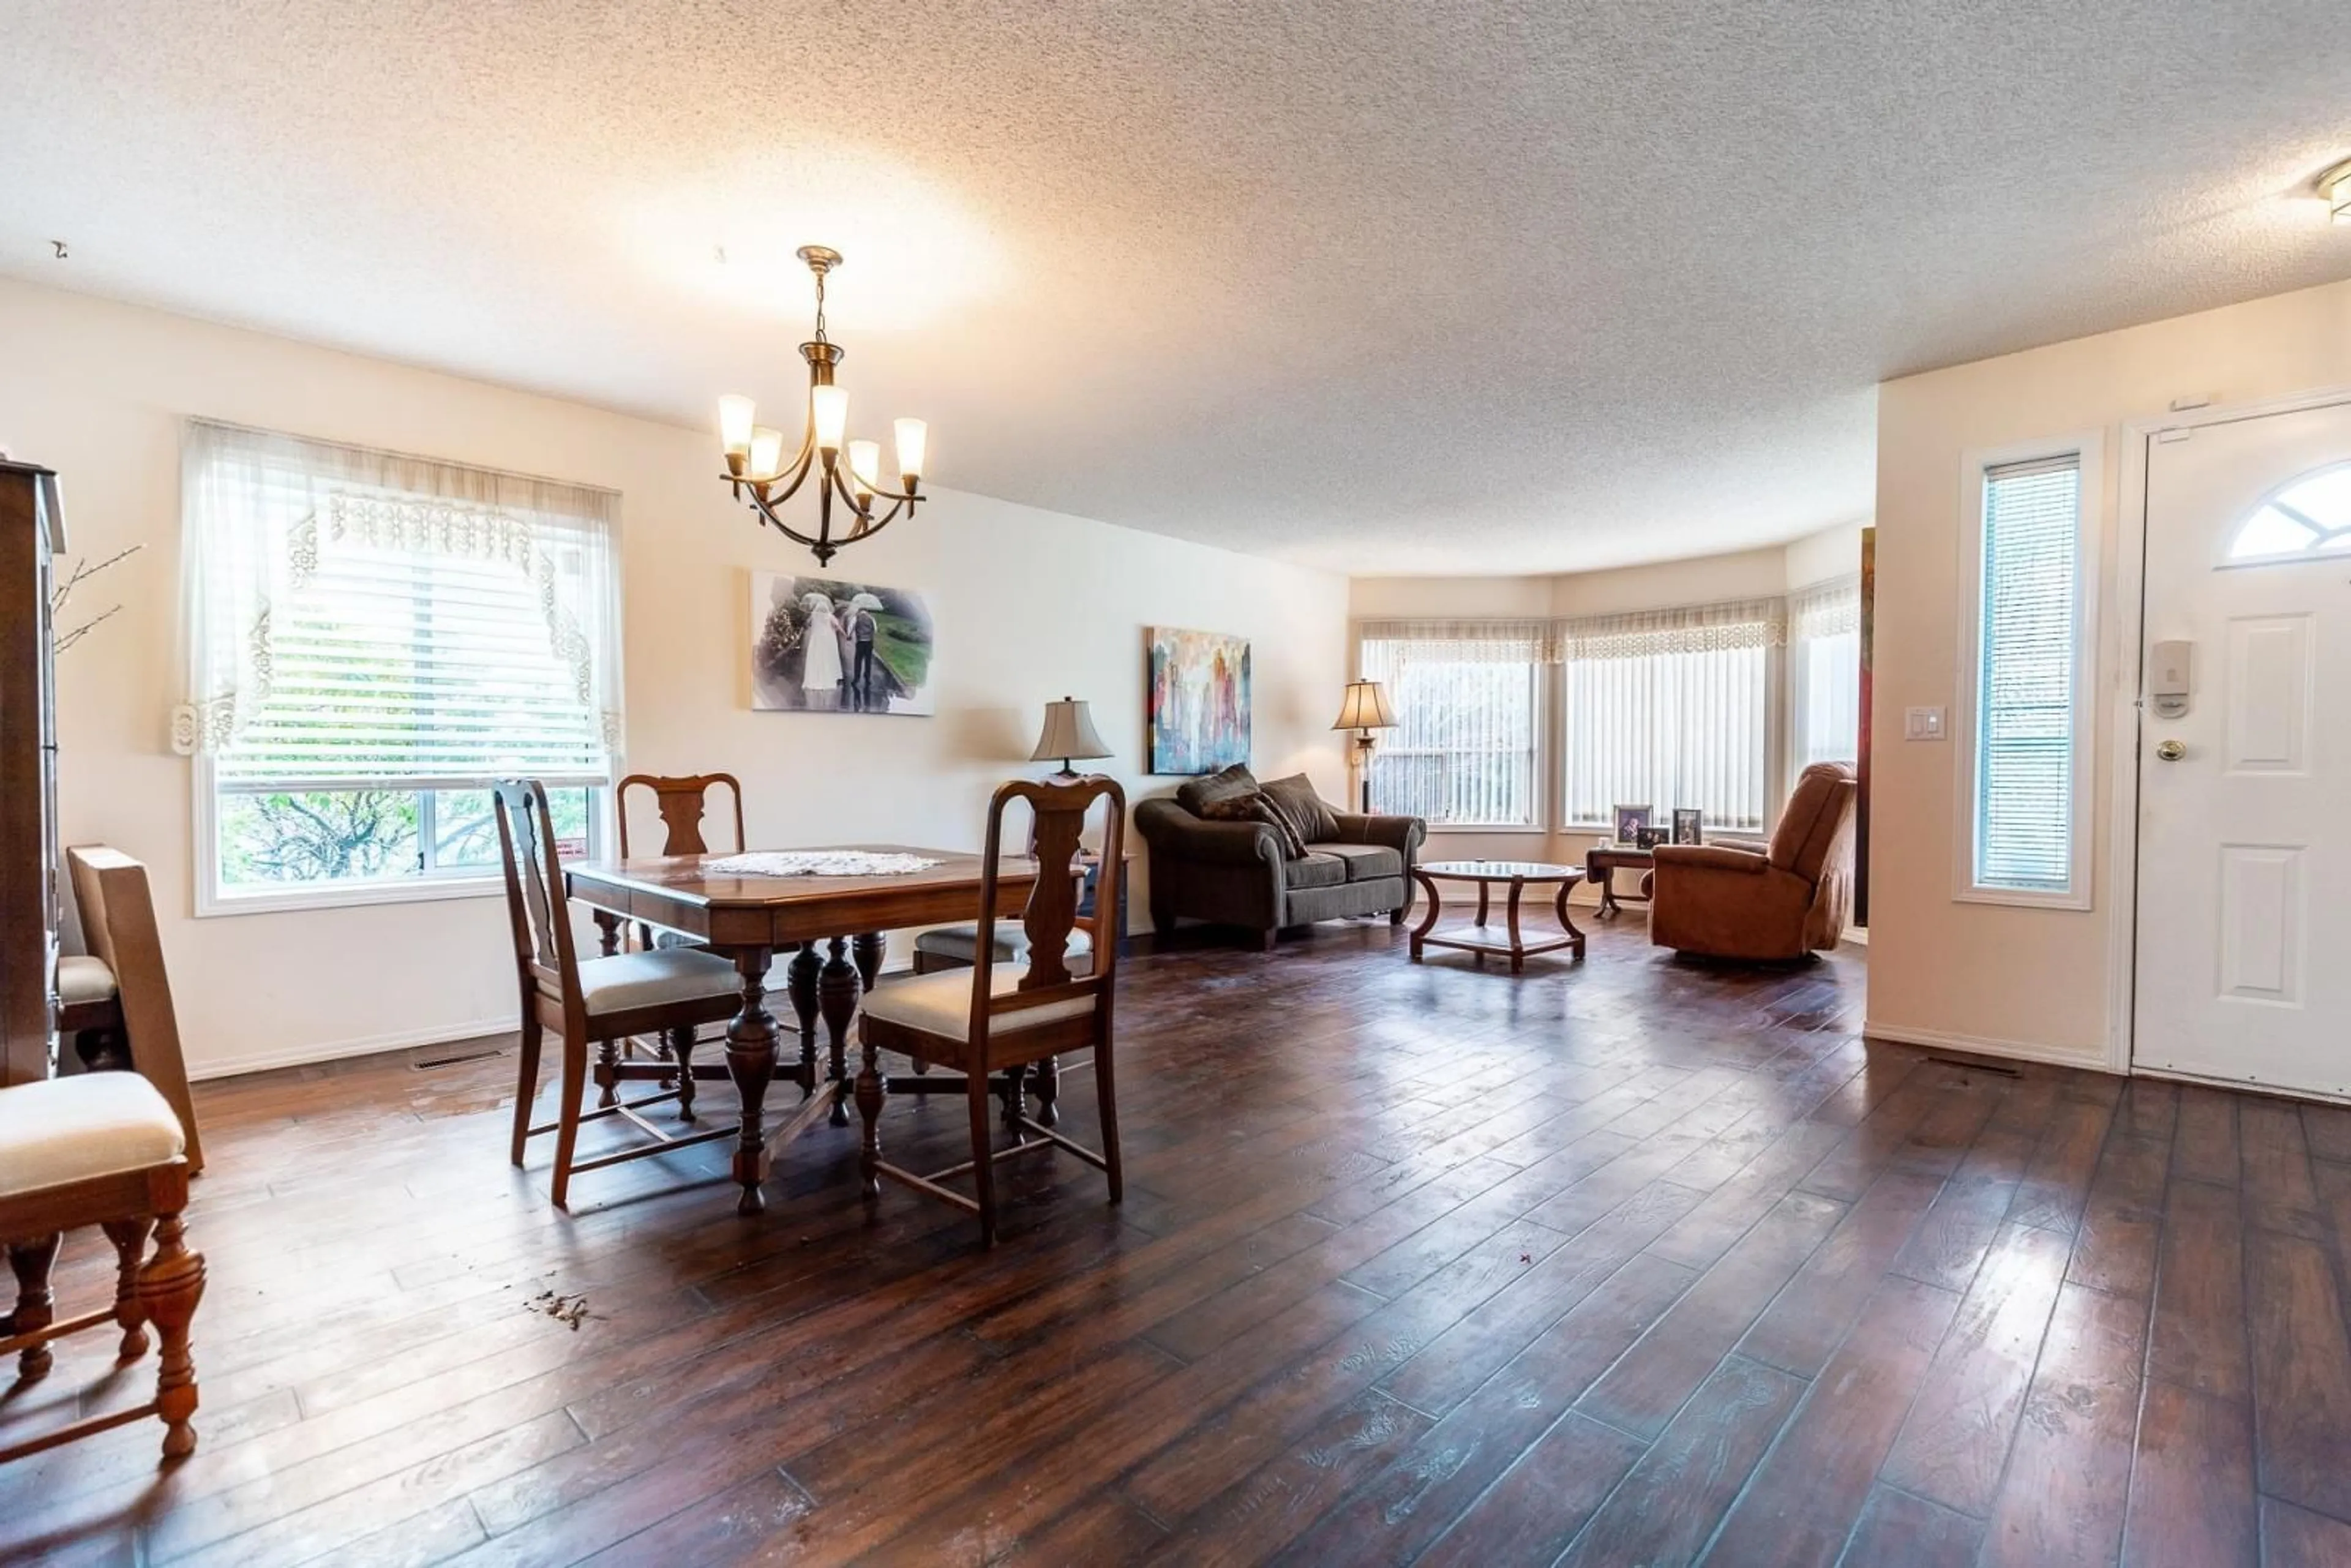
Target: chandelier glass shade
846, 473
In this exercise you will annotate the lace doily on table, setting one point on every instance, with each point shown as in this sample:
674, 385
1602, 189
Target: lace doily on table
818, 863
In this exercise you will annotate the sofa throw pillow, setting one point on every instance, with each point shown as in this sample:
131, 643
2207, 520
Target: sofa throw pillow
1254, 807
1308, 811
1195, 794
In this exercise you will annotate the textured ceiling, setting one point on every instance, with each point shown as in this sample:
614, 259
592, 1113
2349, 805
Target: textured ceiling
1395, 286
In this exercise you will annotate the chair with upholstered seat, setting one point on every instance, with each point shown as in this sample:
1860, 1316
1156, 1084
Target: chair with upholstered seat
952, 946
996, 1021
115, 1001
1780, 903
104, 1149
670, 991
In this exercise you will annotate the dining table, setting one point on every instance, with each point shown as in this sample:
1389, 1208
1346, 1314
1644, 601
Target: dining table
833, 926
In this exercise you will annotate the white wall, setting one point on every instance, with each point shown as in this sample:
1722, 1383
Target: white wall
2028, 981
1030, 605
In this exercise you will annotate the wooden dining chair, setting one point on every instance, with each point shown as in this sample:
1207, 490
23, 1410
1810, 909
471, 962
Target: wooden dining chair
684, 800
115, 1000
103, 1149
670, 991
995, 1020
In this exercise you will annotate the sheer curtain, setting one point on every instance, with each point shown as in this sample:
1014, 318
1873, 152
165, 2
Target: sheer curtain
1467, 694
1824, 672
1672, 708
265, 518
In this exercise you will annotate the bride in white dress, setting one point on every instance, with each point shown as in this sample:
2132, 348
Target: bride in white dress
821, 669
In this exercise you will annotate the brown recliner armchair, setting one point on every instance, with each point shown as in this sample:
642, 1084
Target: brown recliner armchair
1779, 904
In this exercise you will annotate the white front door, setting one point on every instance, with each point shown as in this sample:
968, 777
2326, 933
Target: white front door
2244, 833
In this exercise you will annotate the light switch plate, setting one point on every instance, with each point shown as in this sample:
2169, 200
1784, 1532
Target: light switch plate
1922, 724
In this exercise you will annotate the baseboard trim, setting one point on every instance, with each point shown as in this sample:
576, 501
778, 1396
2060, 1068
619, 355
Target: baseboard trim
2017, 1049
364, 1045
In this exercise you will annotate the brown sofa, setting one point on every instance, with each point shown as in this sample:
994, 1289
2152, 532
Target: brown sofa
1782, 904
1236, 873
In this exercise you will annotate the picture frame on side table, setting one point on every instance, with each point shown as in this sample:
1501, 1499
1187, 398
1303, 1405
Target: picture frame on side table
1690, 825
1631, 823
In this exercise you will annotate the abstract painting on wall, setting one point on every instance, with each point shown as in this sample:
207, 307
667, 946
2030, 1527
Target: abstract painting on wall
1200, 708
823, 645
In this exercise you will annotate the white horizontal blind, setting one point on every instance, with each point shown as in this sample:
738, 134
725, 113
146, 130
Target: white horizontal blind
392, 668
1666, 730
2024, 729
363, 620
1463, 751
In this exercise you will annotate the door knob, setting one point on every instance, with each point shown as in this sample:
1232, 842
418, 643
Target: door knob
2170, 750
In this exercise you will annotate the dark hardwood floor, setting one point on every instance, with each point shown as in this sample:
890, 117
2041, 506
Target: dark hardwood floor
1620, 1262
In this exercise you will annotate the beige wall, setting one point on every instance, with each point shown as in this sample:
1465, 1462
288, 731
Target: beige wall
2030, 981
1665, 585
1030, 605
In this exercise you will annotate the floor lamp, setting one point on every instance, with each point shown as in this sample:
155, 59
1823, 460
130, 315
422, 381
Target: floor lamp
1364, 709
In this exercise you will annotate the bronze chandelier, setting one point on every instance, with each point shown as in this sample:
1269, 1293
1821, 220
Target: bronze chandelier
756, 472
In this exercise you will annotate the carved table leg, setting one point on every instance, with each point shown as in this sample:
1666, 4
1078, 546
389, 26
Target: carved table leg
1607, 879
1048, 1076
1428, 921
1485, 892
1566, 924
30, 1262
129, 1239
837, 990
1517, 945
750, 1062
801, 978
870, 1096
681, 1050
608, 1077
608, 1052
171, 1283
867, 949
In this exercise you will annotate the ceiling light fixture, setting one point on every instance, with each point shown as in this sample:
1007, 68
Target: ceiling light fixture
758, 474
2335, 186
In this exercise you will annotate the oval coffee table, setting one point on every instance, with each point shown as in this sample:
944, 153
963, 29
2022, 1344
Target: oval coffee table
1477, 936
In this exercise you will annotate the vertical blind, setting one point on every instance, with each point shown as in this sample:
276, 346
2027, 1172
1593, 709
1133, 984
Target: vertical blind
1465, 695
2025, 729
1671, 708
1825, 673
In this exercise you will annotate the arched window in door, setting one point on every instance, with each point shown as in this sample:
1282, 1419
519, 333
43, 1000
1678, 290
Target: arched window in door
2309, 516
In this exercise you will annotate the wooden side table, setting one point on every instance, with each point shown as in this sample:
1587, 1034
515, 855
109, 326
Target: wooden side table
1477, 936
1601, 864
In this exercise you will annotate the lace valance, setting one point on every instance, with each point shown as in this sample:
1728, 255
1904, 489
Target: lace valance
1828, 609
1704, 628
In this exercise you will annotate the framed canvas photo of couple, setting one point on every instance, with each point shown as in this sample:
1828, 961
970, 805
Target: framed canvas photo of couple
821, 644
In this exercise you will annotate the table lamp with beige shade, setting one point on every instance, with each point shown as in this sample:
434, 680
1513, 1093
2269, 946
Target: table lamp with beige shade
1364, 709
1068, 734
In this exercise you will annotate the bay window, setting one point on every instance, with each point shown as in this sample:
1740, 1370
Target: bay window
1825, 673
1671, 708
1467, 700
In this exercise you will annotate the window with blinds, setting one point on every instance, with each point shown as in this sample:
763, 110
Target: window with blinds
1825, 673
2027, 720
1465, 700
397, 670
374, 640
1670, 709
